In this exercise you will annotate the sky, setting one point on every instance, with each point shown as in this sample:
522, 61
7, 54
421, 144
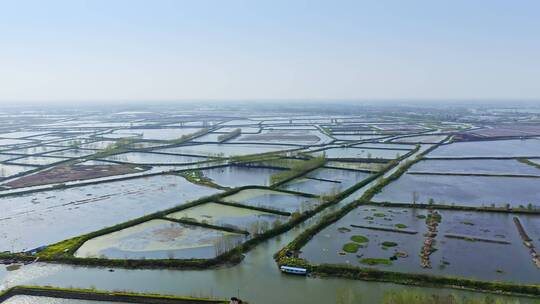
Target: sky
120, 50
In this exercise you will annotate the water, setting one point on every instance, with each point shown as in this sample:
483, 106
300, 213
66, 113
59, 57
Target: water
473, 191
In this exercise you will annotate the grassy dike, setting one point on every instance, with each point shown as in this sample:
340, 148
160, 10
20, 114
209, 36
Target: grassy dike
283, 257
97, 295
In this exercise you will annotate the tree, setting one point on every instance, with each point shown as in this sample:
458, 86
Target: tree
415, 197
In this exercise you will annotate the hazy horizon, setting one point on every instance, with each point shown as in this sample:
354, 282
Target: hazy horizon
85, 52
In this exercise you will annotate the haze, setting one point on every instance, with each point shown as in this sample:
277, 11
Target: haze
90, 51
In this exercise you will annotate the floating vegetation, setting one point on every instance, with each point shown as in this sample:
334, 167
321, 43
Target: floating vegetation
389, 244
359, 239
379, 214
401, 226
351, 247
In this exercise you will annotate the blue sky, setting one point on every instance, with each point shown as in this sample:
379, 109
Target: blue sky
221, 49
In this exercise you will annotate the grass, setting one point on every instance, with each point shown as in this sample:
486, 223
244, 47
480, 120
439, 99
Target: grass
63, 248
359, 239
106, 296
376, 261
401, 226
416, 297
351, 247
389, 244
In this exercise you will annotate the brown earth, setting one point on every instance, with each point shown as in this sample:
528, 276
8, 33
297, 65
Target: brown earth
68, 173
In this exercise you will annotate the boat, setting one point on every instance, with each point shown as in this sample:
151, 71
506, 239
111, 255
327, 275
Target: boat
293, 270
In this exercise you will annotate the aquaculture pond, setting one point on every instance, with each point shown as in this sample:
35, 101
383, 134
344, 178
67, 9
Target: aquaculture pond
356, 137
38, 160
161, 239
346, 178
21, 134
97, 145
9, 142
154, 158
496, 148
473, 191
229, 216
237, 176
274, 200
226, 150
4, 157
71, 153
46, 217
341, 243
312, 186
36, 150
23, 299
477, 245
486, 246
349, 153
303, 137
475, 166
428, 139
7, 170
385, 146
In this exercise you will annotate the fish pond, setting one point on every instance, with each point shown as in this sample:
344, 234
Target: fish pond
46, 217
274, 200
161, 239
475, 191
478, 245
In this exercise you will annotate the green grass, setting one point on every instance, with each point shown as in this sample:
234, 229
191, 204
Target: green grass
351, 247
401, 226
359, 239
63, 248
375, 261
379, 214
